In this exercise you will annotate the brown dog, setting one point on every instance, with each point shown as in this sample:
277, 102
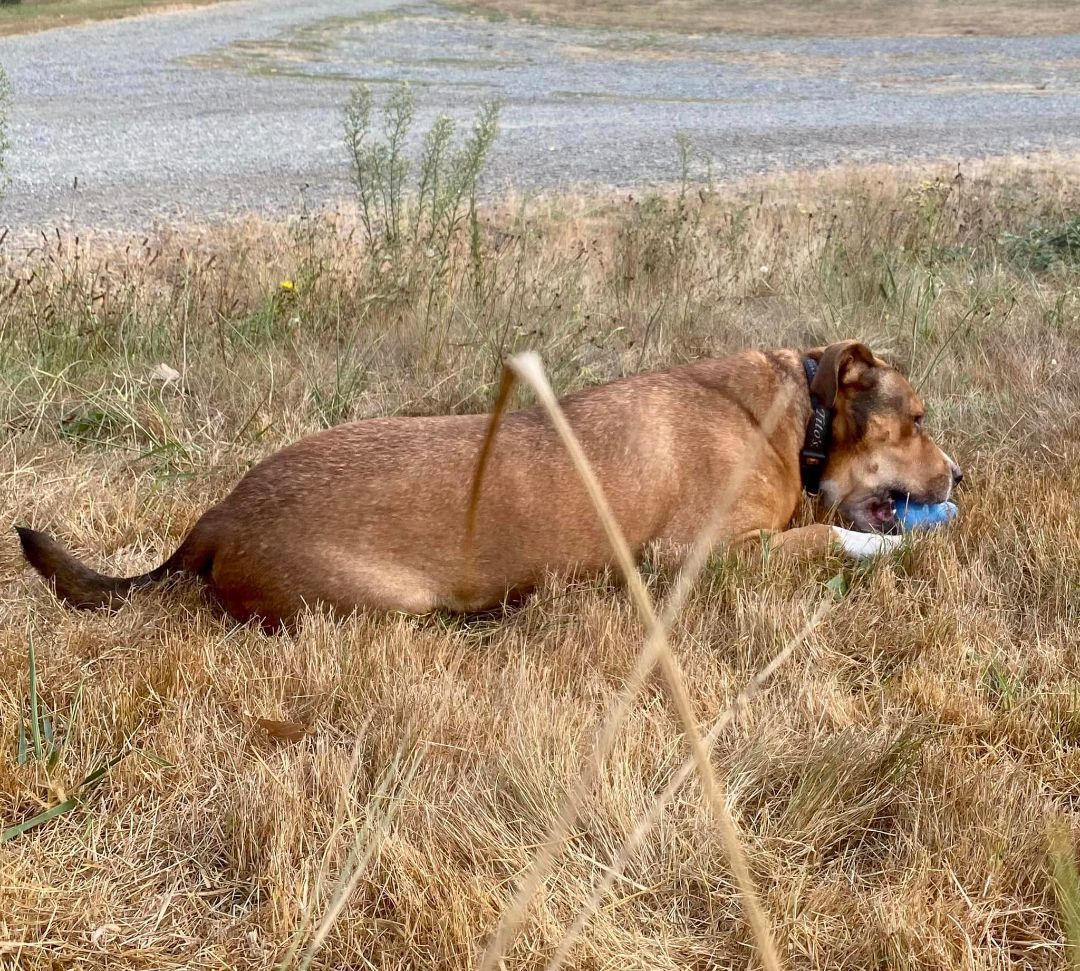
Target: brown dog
372, 514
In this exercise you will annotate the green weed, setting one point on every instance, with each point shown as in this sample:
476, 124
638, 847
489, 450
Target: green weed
44, 738
1044, 247
446, 186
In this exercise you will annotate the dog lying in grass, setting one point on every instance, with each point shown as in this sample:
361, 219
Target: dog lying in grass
373, 514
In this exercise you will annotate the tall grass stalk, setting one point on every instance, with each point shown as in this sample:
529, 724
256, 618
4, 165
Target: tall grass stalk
615, 869
656, 650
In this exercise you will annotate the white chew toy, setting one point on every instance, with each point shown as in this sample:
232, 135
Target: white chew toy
862, 546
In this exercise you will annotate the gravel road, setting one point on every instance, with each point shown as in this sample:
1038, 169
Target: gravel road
209, 112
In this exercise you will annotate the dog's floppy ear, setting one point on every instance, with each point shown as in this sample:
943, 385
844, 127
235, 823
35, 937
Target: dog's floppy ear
844, 364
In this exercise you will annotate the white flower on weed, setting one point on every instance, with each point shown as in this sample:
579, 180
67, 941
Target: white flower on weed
764, 268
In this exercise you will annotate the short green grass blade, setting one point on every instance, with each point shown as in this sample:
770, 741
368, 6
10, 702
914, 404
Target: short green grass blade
99, 773
156, 760
43, 817
67, 805
20, 750
72, 718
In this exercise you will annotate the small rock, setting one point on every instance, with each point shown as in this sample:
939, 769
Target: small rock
164, 374
100, 933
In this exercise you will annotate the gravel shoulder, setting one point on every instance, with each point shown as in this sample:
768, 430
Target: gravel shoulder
208, 113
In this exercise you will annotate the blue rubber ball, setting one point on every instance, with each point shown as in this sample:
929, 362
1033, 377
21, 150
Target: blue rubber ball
921, 515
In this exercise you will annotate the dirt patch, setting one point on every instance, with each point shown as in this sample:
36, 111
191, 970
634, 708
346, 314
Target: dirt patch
861, 18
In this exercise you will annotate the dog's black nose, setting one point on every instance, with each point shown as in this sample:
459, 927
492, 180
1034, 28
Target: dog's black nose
957, 475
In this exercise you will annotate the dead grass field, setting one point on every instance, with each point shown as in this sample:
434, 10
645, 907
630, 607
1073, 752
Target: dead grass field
30, 15
824, 18
895, 784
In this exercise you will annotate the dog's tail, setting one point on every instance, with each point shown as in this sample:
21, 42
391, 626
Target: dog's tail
79, 586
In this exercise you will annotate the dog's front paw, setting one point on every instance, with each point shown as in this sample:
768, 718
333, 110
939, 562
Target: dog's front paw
862, 546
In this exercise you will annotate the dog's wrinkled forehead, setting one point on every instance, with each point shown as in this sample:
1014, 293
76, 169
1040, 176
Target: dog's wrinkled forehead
887, 396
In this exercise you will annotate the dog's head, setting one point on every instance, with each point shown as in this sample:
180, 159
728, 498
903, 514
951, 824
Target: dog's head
880, 450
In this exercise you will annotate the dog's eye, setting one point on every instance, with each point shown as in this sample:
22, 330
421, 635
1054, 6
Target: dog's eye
918, 422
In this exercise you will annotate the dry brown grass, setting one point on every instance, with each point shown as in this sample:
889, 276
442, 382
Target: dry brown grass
892, 787
823, 18
33, 15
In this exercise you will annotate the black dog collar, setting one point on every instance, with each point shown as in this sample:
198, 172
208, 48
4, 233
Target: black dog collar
815, 448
